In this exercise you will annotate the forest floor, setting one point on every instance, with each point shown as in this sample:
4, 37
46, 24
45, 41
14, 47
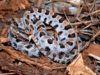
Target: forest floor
14, 62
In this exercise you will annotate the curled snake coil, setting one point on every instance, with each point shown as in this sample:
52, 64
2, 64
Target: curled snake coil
61, 48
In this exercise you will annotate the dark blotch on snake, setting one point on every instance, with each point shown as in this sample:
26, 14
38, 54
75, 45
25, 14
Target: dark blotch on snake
47, 12
59, 33
50, 41
55, 26
71, 35
42, 33
62, 39
28, 46
70, 43
40, 26
61, 53
61, 20
47, 49
36, 20
61, 45
27, 22
68, 27
28, 16
39, 10
54, 15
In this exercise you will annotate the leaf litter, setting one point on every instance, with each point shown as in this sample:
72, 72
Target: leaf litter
86, 22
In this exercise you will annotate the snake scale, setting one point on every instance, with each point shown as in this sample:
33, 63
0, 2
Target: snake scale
32, 25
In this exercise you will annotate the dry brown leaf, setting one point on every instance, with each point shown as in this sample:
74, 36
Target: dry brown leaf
77, 2
0, 31
66, 9
32, 1
93, 49
58, 65
5, 31
77, 67
12, 5
3, 39
22, 6
64, 3
1, 16
2, 2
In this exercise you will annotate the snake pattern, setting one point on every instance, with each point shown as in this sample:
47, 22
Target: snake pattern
32, 25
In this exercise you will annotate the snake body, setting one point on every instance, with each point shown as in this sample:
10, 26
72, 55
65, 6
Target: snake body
60, 49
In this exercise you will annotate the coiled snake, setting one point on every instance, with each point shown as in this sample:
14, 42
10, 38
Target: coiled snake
33, 25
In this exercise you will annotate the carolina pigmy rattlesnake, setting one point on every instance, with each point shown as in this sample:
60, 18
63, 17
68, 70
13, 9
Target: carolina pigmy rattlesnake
60, 49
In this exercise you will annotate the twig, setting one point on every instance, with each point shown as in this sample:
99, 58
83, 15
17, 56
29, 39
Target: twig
84, 22
40, 2
90, 14
87, 26
94, 56
77, 38
53, 7
66, 16
89, 34
90, 41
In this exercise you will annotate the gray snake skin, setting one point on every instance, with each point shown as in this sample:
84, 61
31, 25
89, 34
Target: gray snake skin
33, 26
